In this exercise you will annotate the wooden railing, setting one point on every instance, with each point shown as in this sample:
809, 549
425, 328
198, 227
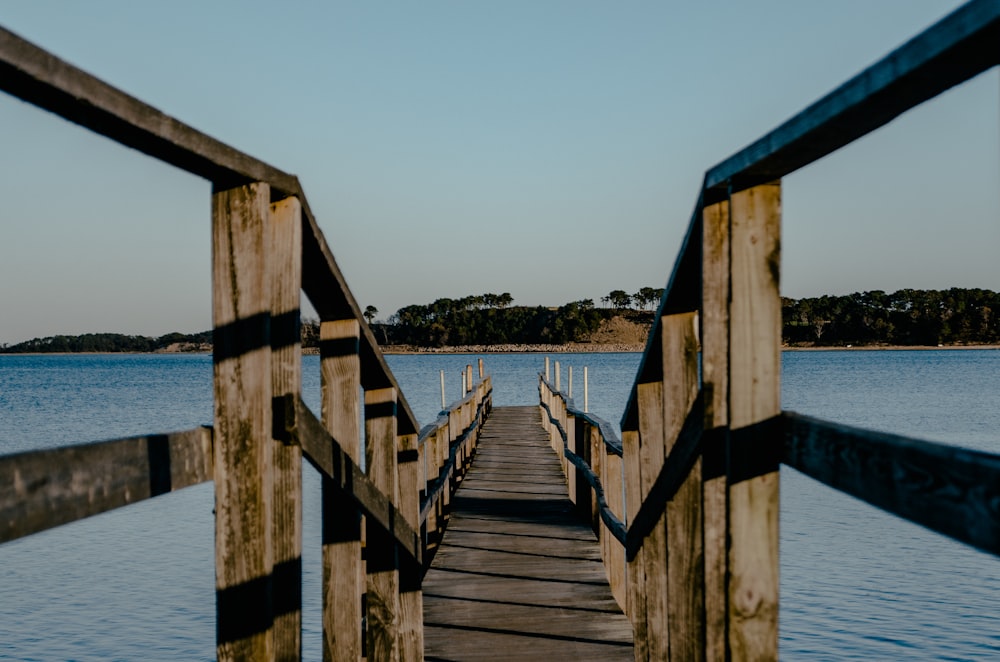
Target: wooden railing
266, 250
591, 456
702, 443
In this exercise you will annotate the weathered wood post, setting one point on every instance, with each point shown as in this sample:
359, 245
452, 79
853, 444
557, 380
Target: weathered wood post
685, 592
241, 317
754, 397
383, 606
343, 585
594, 445
411, 603
742, 339
286, 380
715, 385
612, 479
651, 606
635, 604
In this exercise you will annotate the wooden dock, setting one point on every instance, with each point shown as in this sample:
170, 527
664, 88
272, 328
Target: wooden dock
518, 574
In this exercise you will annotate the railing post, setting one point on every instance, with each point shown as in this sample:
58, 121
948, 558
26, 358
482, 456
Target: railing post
286, 379
241, 304
343, 586
653, 556
383, 607
411, 605
573, 475
635, 605
754, 397
595, 458
685, 583
612, 480
715, 385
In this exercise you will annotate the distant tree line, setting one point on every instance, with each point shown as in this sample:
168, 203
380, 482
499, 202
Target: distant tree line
904, 317
105, 343
646, 298
489, 319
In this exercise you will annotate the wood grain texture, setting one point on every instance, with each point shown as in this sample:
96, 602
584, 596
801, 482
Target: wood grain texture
635, 605
411, 621
43, 489
952, 490
241, 296
285, 263
343, 573
754, 396
714, 318
652, 448
686, 601
382, 594
518, 576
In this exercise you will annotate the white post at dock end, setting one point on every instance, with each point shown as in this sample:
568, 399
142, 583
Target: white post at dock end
586, 395
444, 403
480, 368
569, 380
558, 375
547, 368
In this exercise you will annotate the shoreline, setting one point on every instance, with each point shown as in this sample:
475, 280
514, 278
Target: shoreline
578, 348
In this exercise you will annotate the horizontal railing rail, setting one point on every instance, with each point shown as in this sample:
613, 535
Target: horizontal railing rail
47, 488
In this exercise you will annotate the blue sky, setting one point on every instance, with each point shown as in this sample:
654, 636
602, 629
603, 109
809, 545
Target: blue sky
548, 149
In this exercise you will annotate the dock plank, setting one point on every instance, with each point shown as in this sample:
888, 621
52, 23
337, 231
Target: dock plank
518, 575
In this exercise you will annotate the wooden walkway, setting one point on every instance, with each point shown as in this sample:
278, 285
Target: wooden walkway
518, 575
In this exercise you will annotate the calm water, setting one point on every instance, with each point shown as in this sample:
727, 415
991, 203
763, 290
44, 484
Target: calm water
137, 583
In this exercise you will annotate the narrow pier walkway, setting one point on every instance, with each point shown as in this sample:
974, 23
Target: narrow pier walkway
518, 575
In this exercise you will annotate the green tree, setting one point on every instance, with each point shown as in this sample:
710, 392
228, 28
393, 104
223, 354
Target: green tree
620, 299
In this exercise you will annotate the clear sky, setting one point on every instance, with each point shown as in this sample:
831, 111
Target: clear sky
550, 149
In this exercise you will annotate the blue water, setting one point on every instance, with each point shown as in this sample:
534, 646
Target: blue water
137, 583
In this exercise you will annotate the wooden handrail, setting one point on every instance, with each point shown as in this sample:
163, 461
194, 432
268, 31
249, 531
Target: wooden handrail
951, 490
47, 488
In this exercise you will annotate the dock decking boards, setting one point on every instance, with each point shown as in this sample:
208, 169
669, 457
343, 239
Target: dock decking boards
518, 575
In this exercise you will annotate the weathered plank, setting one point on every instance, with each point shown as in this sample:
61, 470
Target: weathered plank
241, 301
754, 396
518, 576
685, 571
952, 490
343, 575
47, 488
653, 556
411, 572
382, 594
285, 263
635, 602
714, 317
